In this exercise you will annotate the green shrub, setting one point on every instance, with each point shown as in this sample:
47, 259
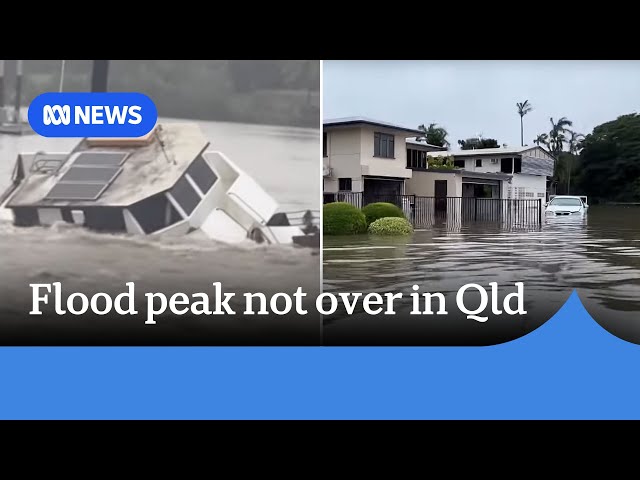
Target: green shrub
391, 226
374, 211
441, 163
341, 218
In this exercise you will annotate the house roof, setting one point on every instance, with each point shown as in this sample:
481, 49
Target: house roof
469, 174
487, 151
495, 176
337, 122
423, 143
147, 170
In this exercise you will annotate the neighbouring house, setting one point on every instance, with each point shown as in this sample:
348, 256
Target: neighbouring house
458, 182
364, 155
510, 172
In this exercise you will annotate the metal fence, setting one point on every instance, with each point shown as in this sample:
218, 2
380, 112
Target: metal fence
354, 198
426, 211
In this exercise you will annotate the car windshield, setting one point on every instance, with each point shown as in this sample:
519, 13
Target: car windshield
566, 202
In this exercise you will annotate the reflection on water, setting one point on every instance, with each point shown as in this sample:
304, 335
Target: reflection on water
598, 254
283, 160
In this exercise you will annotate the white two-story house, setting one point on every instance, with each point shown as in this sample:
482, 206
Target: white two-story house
528, 170
365, 155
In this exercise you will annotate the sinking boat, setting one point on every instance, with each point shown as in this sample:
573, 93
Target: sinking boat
166, 183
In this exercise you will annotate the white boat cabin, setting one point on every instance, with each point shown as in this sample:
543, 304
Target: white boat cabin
167, 182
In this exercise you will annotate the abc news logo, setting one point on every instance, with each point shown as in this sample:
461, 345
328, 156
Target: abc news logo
91, 115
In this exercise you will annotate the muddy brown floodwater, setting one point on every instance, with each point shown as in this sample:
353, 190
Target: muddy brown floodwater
598, 255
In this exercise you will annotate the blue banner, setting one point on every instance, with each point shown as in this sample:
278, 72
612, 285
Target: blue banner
569, 368
78, 115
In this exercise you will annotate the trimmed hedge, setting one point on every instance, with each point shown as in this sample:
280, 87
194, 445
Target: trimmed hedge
391, 226
341, 218
374, 211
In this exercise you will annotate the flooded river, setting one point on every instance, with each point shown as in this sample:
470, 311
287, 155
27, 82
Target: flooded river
599, 255
283, 160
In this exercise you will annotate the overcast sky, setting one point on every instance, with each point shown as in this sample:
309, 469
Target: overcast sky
470, 97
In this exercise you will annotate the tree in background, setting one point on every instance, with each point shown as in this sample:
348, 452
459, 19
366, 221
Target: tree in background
478, 143
441, 162
575, 140
542, 139
523, 108
610, 160
554, 141
557, 134
434, 135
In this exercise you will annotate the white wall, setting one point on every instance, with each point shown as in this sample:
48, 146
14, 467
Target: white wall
523, 185
343, 150
504, 193
487, 166
423, 183
49, 216
350, 155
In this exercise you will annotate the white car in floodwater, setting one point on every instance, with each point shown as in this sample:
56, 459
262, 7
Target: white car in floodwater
567, 205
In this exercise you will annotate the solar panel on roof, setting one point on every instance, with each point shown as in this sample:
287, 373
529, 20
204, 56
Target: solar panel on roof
90, 174
83, 183
101, 158
76, 191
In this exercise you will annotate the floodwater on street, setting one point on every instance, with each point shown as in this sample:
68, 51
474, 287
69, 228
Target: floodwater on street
598, 254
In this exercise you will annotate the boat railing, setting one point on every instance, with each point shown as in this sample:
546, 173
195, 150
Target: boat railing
306, 217
47, 165
249, 207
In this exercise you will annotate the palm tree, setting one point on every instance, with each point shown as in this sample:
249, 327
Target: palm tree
543, 139
557, 136
434, 135
523, 108
575, 145
575, 141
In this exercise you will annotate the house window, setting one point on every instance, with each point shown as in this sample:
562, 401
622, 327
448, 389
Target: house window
344, 184
422, 160
478, 162
383, 145
511, 165
517, 165
458, 163
324, 144
416, 159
